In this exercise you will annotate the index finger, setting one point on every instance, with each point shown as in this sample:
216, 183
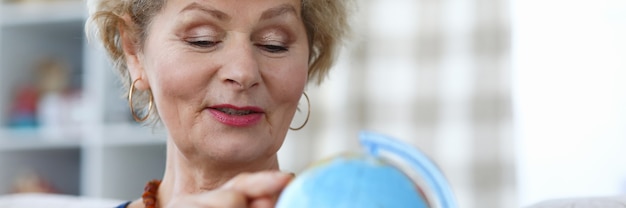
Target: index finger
260, 184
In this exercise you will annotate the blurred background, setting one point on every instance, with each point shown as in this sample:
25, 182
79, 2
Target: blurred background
518, 101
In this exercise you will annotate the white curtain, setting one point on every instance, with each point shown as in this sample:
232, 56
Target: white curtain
433, 73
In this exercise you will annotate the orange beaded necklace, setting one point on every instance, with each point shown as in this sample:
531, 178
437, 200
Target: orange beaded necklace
149, 195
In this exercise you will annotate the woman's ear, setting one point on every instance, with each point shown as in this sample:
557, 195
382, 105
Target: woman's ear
132, 53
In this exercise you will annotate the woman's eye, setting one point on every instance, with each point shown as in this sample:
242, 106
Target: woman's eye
274, 48
202, 43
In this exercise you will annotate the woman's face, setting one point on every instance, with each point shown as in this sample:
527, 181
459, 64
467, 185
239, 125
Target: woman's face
226, 75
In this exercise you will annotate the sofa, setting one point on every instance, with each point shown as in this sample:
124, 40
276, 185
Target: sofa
54, 201
65, 201
589, 202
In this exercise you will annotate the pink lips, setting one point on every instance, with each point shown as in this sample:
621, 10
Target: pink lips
236, 116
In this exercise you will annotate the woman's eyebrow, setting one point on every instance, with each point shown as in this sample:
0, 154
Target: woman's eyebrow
213, 12
282, 9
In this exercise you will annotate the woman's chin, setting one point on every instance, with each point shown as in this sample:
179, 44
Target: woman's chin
238, 151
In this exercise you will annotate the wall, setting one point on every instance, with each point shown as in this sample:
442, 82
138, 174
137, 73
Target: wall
570, 92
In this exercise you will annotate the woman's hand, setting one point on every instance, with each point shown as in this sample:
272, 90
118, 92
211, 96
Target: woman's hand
247, 190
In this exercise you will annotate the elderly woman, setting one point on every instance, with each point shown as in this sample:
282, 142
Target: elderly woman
224, 77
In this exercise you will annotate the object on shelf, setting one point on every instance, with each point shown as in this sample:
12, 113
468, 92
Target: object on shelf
59, 115
24, 108
31, 182
59, 107
389, 174
53, 76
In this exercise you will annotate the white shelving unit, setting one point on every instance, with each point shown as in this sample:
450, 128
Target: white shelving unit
105, 155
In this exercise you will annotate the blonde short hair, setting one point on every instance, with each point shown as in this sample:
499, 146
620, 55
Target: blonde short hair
326, 23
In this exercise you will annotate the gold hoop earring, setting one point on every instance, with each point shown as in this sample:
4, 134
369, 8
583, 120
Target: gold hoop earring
308, 113
132, 108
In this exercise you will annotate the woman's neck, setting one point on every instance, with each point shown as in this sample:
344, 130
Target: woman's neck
183, 176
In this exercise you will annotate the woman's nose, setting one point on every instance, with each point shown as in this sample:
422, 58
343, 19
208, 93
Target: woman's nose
241, 68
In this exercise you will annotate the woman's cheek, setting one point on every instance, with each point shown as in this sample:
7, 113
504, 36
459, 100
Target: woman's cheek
178, 77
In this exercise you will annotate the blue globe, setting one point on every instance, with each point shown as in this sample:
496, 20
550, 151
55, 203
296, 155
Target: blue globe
352, 182
377, 178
